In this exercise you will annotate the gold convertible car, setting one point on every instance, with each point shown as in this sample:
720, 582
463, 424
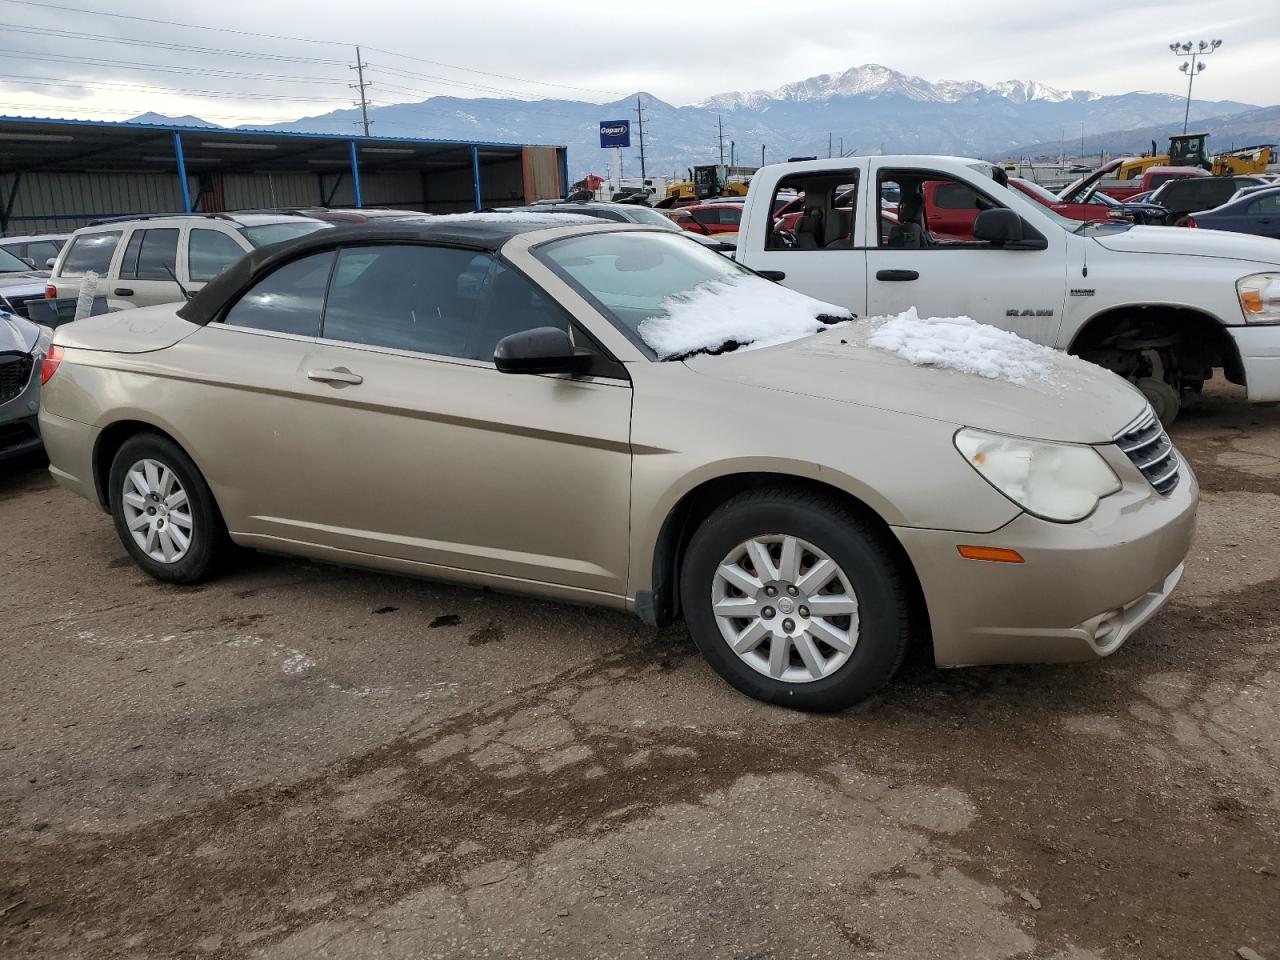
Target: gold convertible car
614, 415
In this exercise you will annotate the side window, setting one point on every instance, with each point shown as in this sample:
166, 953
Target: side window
90, 251
150, 255
513, 303
825, 216
709, 215
289, 300
407, 297
40, 251
931, 211
730, 214
209, 252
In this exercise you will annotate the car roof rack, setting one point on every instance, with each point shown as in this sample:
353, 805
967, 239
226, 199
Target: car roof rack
101, 221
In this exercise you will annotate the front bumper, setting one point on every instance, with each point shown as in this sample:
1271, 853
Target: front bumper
1259, 348
19, 432
1084, 588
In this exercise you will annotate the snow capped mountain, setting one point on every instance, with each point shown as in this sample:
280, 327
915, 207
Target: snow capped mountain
872, 79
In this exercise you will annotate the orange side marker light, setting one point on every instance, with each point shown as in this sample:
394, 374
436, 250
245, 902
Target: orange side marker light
991, 554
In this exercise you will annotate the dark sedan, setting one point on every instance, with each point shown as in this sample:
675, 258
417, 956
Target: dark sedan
1257, 212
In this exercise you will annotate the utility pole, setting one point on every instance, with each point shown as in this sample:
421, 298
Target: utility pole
842, 146
828, 144
1193, 67
762, 154
720, 126
361, 86
733, 152
640, 117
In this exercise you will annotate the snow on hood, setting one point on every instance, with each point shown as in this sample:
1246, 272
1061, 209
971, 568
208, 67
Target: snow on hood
739, 309
963, 344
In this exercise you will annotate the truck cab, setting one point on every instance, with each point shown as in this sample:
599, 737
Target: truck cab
1160, 307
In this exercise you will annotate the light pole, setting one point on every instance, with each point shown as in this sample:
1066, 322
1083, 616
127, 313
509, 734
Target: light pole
1193, 66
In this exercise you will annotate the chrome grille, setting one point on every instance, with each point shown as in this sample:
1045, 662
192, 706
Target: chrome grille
15, 371
1149, 447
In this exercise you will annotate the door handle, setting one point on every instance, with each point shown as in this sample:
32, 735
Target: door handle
122, 292
897, 275
336, 375
774, 275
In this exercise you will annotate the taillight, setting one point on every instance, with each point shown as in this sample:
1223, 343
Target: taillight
49, 365
1190, 223
50, 292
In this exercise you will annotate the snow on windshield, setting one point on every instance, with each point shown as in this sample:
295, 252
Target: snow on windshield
736, 309
963, 344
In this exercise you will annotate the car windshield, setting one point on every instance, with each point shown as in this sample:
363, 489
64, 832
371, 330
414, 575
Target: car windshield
11, 264
1038, 192
267, 233
673, 297
652, 218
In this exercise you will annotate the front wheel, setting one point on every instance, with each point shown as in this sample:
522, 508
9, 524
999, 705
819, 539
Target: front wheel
794, 599
163, 510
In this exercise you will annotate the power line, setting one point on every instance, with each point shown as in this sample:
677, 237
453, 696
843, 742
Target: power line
164, 68
218, 51
39, 4
75, 108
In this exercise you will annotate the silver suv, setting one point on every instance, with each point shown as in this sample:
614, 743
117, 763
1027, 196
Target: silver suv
145, 261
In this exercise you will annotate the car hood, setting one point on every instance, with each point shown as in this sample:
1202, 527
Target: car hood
17, 335
27, 278
127, 331
1218, 244
1078, 403
1090, 178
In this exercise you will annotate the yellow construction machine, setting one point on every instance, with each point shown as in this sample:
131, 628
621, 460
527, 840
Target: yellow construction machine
1191, 150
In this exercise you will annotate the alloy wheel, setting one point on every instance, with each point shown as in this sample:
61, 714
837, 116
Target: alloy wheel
157, 512
785, 608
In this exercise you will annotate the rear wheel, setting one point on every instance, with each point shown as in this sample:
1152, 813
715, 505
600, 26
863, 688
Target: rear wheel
163, 510
795, 600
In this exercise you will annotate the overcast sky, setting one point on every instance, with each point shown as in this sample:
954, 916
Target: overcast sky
680, 51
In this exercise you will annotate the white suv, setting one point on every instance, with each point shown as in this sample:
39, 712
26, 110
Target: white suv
141, 261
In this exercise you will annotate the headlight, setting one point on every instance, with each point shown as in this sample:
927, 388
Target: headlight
1056, 481
1260, 297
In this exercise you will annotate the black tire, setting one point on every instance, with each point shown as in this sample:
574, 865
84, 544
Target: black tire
208, 542
854, 544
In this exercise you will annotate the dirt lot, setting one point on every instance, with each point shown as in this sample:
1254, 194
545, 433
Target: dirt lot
298, 761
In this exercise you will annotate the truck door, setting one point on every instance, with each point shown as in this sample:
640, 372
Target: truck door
823, 254
942, 271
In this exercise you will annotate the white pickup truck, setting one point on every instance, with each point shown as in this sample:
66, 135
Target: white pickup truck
1162, 306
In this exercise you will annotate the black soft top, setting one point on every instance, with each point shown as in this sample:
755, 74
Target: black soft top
485, 233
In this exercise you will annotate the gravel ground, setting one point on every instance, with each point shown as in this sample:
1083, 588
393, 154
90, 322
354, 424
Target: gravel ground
298, 761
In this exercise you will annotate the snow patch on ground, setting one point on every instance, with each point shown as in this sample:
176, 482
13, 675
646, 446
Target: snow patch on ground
740, 309
963, 344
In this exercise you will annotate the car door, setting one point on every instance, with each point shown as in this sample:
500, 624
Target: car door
1263, 217
244, 406
945, 275
421, 450
147, 270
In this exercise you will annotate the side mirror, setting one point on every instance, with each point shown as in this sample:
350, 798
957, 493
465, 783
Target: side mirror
1004, 228
29, 261
540, 350
48, 264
